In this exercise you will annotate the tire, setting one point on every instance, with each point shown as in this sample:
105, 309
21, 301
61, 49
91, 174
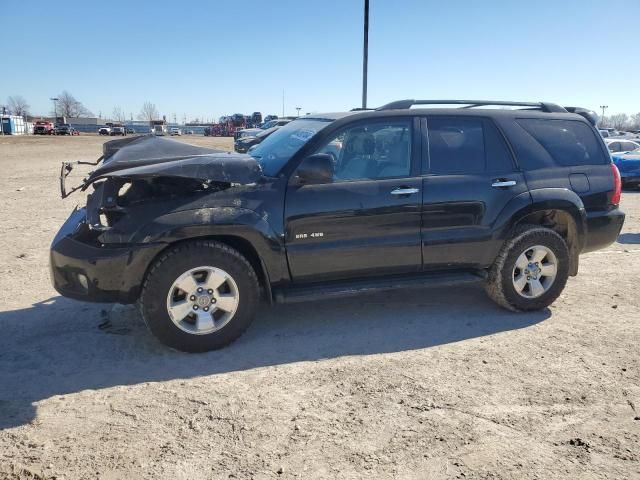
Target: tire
504, 274
159, 293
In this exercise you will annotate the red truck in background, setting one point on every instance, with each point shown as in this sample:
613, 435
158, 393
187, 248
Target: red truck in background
43, 128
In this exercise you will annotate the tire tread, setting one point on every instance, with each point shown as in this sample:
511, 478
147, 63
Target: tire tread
182, 249
494, 285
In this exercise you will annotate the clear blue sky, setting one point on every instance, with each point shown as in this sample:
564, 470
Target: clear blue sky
209, 58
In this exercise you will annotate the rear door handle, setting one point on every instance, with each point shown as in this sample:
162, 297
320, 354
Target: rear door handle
501, 183
404, 191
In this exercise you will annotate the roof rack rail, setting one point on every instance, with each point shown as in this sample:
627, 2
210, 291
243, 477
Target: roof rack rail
404, 104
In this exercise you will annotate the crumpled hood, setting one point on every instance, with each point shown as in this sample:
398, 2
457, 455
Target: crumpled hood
152, 156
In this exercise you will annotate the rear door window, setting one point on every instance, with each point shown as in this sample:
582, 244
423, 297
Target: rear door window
466, 145
628, 146
568, 142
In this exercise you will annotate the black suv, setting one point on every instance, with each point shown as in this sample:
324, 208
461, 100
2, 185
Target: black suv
341, 203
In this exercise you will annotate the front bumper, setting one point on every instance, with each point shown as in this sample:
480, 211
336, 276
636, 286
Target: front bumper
603, 228
96, 273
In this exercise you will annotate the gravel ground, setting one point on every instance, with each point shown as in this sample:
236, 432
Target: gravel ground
440, 384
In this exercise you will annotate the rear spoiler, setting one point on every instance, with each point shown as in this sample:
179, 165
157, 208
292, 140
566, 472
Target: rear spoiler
590, 115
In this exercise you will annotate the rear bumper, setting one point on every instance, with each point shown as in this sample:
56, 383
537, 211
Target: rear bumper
94, 273
603, 229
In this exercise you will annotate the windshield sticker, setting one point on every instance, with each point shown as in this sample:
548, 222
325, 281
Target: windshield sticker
303, 135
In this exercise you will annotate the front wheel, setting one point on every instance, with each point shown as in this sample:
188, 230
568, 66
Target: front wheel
531, 270
199, 296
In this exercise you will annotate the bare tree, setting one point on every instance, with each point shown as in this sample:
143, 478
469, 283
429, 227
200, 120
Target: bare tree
118, 115
18, 105
619, 121
68, 106
148, 112
635, 121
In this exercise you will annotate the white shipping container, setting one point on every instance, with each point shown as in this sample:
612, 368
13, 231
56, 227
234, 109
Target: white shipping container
14, 125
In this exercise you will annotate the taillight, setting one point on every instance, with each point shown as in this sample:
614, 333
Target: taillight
617, 185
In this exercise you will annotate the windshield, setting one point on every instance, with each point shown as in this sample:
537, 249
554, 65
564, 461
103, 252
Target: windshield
276, 150
269, 124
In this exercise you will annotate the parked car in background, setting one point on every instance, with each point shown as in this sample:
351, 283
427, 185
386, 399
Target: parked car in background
256, 118
604, 133
104, 131
188, 132
619, 145
43, 128
628, 164
129, 130
175, 131
63, 129
337, 204
243, 144
252, 132
115, 131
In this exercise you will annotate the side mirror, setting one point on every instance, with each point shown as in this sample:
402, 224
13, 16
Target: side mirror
317, 168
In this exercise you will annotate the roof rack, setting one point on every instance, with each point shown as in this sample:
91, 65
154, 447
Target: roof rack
543, 106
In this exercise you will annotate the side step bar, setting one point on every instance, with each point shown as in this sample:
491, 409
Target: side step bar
355, 287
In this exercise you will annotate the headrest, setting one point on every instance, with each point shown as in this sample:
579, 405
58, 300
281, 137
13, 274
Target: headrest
362, 144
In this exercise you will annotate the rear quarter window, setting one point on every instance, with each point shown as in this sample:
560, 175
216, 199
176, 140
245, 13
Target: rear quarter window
568, 142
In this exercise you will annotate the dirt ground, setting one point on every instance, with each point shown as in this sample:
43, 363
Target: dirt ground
427, 384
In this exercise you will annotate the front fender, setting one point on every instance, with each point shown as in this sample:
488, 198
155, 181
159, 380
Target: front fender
210, 222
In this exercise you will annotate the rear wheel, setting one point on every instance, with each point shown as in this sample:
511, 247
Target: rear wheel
199, 296
531, 270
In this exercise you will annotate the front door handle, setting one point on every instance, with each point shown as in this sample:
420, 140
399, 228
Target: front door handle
404, 191
501, 183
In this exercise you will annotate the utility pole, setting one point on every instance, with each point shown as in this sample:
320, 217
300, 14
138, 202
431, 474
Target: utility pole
283, 102
365, 54
603, 107
55, 109
298, 108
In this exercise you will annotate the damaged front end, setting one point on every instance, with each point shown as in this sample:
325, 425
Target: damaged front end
126, 203
101, 252
157, 157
